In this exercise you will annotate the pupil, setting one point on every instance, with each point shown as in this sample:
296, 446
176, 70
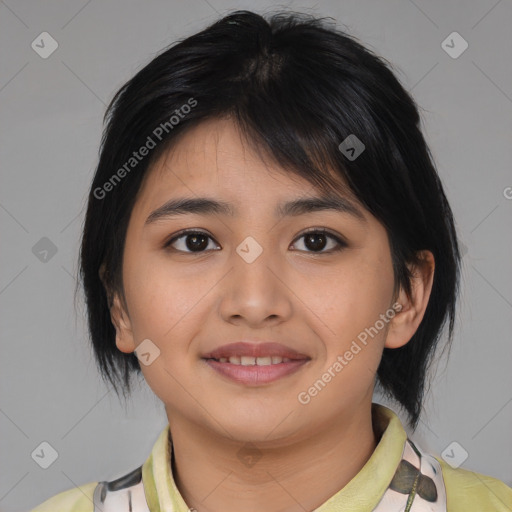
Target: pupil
312, 237
199, 242
194, 245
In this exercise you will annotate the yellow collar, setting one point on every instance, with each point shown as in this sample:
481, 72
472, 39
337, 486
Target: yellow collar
363, 492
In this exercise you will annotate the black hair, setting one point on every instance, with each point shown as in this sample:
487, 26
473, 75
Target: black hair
296, 88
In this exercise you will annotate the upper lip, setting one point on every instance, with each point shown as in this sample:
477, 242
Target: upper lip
262, 349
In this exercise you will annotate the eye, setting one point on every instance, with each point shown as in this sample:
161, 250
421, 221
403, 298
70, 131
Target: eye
195, 241
316, 240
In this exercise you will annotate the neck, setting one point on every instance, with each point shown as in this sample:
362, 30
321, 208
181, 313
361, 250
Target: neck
214, 473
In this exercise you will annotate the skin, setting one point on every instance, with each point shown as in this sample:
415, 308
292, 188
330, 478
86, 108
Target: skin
314, 300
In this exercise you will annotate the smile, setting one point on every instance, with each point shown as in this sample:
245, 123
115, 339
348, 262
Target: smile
254, 361
255, 371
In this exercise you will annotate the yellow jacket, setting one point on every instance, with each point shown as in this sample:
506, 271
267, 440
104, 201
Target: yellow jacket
398, 477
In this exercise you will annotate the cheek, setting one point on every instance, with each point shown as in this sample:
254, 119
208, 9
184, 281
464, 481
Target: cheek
158, 298
351, 326
163, 308
354, 295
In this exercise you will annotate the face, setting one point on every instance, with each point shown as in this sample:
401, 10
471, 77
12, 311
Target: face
315, 284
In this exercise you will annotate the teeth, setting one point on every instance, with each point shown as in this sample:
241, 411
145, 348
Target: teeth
254, 361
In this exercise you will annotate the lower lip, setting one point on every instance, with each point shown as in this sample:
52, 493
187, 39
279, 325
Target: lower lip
254, 374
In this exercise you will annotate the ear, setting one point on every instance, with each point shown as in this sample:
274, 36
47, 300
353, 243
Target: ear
121, 320
119, 316
406, 321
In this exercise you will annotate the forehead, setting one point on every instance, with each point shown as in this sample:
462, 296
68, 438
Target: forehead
214, 158
214, 152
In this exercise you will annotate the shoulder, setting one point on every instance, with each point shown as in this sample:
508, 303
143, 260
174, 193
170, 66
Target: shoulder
124, 493
467, 491
79, 499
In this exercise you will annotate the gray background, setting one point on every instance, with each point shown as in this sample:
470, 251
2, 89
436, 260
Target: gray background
51, 127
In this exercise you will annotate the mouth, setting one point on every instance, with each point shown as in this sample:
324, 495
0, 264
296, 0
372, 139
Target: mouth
253, 361
254, 364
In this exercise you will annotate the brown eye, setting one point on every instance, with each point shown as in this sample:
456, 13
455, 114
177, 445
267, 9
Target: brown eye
317, 239
190, 241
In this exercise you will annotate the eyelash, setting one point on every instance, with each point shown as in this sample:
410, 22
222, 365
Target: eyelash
322, 231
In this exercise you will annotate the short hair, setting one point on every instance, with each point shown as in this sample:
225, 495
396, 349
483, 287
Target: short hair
296, 87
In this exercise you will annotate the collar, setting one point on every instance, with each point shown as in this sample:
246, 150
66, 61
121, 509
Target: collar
397, 476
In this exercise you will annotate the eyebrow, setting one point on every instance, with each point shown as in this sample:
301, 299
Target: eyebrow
208, 206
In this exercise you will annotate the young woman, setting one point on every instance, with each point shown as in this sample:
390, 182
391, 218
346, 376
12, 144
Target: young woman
266, 239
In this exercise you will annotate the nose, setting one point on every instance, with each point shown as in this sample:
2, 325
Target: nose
255, 291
